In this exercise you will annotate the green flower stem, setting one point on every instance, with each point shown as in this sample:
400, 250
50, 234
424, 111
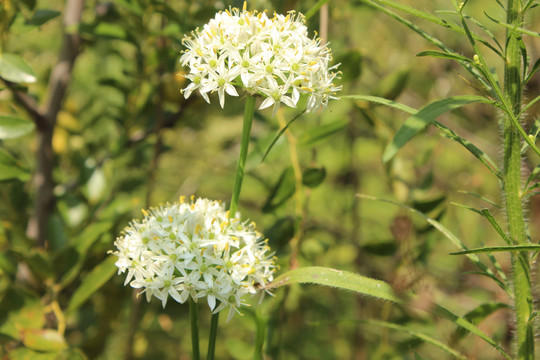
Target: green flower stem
249, 110
194, 318
512, 189
213, 335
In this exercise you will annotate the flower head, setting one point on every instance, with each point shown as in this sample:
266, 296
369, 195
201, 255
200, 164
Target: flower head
194, 249
270, 57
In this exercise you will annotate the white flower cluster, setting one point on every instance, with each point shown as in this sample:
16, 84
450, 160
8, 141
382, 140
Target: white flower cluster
273, 58
194, 249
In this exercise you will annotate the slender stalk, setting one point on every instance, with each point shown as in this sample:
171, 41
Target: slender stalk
213, 336
512, 188
194, 318
249, 110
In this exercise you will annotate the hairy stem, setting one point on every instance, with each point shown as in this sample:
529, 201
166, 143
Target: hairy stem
512, 188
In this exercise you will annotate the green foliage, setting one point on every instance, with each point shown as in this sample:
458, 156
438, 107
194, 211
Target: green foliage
121, 137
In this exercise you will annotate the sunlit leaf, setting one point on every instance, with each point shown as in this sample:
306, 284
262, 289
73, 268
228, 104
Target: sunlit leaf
12, 127
340, 279
44, 340
13, 68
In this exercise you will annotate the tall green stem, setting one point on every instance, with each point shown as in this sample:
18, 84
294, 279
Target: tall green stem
512, 188
194, 318
249, 110
213, 336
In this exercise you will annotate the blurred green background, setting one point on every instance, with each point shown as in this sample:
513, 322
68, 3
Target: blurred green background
126, 139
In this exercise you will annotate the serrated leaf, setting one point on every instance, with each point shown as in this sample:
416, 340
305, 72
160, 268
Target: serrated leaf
12, 127
313, 177
13, 68
340, 279
425, 116
41, 16
93, 282
47, 340
322, 132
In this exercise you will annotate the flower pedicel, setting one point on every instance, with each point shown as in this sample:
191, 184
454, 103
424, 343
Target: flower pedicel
273, 58
194, 249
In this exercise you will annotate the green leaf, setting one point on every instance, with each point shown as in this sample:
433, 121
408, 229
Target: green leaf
424, 337
93, 282
281, 131
10, 168
12, 127
382, 101
20, 311
73, 258
425, 116
282, 191
13, 68
48, 340
42, 16
315, 8
313, 177
445, 55
491, 249
393, 85
478, 314
448, 234
322, 132
466, 325
477, 153
340, 279
27, 354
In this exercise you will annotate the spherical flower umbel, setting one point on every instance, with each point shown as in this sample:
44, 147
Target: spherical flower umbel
194, 249
270, 57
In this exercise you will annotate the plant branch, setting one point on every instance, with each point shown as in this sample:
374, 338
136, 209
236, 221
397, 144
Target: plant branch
56, 92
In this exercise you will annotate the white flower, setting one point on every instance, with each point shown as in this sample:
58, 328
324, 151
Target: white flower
194, 249
273, 58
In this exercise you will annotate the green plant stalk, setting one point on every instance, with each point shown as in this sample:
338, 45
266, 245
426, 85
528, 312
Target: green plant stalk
194, 318
213, 336
249, 110
512, 189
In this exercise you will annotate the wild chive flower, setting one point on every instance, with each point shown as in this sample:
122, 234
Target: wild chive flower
273, 58
194, 249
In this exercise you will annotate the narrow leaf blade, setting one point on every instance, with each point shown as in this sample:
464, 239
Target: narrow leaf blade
340, 279
93, 282
425, 116
12, 127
